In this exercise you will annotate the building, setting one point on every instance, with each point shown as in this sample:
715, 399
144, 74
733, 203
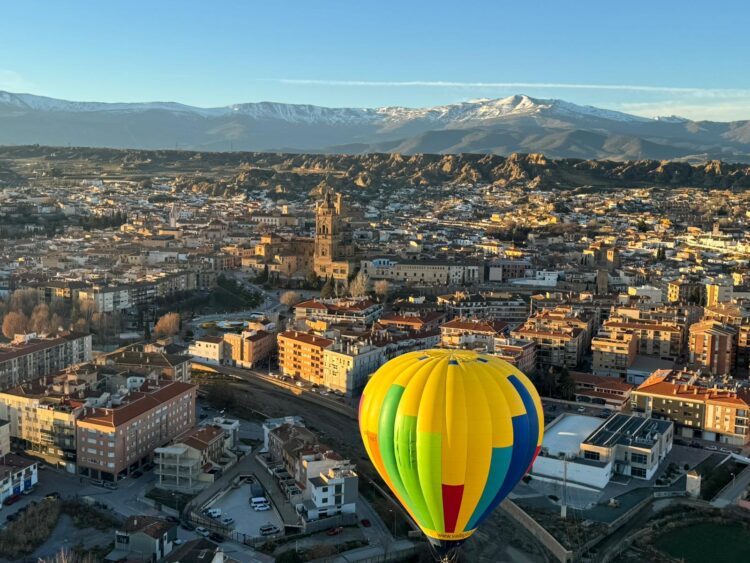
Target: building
249, 348
424, 271
660, 339
684, 290
712, 345
201, 550
114, 441
466, 333
415, 322
698, 412
334, 250
613, 354
29, 356
496, 306
601, 390
519, 353
344, 311
208, 349
162, 365
347, 366
586, 453
301, 355
332, 492
506, 270
17, 474
561, 336
194, 460
718, 290
42, 422
143, 538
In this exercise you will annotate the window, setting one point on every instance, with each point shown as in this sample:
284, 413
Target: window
638, 458
638, 472
591, 455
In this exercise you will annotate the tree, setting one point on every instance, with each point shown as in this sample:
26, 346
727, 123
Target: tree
566, 385
290, 298
24, 301
382, 289
168, 325
15, 323
360, 285
40, 319
263, 276
328, 288
147, 331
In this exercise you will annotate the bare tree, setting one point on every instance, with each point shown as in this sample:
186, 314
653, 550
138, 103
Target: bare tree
360, 285
382, 289
40, 319
24, 301
15, 323
290, 298
167, 325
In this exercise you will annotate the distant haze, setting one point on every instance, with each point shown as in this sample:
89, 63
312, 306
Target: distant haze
499, 126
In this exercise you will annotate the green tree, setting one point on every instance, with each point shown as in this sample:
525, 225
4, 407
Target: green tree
566, 385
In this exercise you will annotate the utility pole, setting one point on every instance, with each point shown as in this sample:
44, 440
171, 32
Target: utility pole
564, 507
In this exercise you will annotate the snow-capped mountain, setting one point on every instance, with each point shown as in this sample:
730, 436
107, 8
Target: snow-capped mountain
514, 124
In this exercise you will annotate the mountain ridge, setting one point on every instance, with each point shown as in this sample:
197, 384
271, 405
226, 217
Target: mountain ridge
517, 123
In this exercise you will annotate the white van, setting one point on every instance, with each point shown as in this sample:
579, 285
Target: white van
214, 512
258, 500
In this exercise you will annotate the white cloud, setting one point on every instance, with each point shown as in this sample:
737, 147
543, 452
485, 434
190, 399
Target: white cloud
700, 92
725, 110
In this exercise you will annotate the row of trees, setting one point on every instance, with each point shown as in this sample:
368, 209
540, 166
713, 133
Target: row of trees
358, 287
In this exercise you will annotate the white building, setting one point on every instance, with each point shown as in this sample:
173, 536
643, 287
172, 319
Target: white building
348, 365
209, 349
333, 492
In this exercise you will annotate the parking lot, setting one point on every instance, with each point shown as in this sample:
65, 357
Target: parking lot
235, 503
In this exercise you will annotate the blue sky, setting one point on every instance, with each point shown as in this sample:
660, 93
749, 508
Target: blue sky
653, 58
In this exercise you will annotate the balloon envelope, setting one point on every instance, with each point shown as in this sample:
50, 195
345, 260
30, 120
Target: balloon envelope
451, 432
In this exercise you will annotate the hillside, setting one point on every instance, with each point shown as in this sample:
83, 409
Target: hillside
228, 173
517, 123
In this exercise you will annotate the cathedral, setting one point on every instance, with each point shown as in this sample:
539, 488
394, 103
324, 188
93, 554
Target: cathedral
334, 250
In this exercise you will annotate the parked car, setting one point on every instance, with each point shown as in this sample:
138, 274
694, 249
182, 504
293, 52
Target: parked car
581, 409
27, 492
268, 530
261, 507
13, 499
335, 531
712, 448
695, 444
171, 518
725, 450
201, 531
11, 517
188, 526
178, 541
365, 522
216, 537
53, 496
227, 520
214, 512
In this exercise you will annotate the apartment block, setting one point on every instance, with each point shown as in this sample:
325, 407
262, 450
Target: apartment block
29, 356
712, 345
347, 366
114, 441
519, 353
471, 333
301, 355
249, 348
613, 354
698, 412
175, 367
492, 305
347, 311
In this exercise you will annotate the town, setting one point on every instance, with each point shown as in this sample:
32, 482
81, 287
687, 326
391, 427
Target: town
180, 371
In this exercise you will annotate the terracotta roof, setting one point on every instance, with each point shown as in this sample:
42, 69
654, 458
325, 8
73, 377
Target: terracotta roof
138, 403
310, 339
493, 327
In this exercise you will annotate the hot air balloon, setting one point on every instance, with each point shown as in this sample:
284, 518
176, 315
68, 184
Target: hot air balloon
451, 432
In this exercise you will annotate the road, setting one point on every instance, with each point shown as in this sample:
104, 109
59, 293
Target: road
257, 378
731, 493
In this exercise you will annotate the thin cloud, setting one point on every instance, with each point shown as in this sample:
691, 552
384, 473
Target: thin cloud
707, 92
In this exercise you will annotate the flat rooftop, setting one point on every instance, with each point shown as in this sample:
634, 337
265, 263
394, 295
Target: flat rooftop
628, 429
565, 435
